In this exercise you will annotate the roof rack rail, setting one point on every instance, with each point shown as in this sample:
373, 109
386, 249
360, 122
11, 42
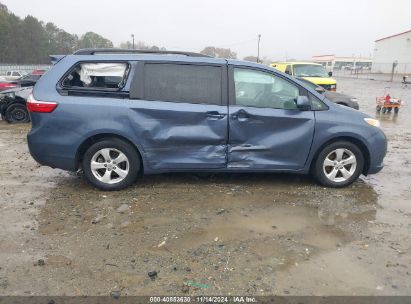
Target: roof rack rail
134, 51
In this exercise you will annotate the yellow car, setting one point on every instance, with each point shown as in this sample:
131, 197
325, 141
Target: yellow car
313, 72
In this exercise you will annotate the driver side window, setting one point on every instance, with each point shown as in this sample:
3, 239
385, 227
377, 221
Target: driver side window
263, 90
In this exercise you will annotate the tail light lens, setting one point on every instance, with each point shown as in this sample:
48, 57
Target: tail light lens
40, 106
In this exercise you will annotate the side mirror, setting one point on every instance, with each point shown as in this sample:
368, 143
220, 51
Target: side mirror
287, 72
303, 103
320, 89
330, 74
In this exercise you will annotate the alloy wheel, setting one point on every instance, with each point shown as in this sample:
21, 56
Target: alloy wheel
339, 165
110, 165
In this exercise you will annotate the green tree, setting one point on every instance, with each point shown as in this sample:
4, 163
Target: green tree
33, 47
219, 52
59, 41
93, 40
31, 41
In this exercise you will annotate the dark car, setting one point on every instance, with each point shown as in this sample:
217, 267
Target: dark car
13, 104
338, 98
116, 114
29, 80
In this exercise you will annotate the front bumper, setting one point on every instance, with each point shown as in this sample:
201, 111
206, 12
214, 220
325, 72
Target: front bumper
378, 150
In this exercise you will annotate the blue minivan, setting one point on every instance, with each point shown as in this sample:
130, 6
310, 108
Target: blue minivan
116, 114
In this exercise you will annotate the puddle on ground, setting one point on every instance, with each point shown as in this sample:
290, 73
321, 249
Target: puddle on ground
226, 226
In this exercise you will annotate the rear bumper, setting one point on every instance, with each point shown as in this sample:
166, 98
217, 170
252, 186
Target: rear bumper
50, 151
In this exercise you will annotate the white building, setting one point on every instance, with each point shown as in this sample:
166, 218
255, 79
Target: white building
333, 62
395, 48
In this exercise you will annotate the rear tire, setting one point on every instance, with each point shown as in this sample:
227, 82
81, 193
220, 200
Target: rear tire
111, 164
383, 110
17, 113
338, 165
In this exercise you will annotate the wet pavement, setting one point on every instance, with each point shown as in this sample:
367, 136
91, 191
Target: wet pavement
257, 234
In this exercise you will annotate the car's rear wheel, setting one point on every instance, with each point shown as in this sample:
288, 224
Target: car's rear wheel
338, 164
17, 113
111, 164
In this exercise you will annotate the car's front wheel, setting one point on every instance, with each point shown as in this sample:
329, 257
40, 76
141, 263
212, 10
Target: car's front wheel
111, 164
338, 164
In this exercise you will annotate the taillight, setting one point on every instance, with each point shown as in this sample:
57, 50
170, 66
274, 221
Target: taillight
40, 106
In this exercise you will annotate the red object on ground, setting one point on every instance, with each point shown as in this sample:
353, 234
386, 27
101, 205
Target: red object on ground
387, 98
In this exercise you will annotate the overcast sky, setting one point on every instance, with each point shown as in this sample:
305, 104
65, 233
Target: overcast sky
295, 29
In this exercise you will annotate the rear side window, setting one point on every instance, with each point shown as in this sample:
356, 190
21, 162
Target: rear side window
183, 83
109, 76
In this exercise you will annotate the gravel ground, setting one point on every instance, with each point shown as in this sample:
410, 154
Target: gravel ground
256, 234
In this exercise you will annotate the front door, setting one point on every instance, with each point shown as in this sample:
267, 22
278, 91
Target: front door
266, 130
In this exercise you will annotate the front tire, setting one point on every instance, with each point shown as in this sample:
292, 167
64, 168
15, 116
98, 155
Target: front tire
338, 165
111, 164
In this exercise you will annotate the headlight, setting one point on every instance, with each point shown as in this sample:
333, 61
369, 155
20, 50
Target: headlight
353, 99
373, 122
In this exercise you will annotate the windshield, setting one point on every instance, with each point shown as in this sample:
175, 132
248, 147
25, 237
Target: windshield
308, 83
309, 70
31, 77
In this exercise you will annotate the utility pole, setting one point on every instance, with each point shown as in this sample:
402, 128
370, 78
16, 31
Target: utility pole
258, 48
132, 36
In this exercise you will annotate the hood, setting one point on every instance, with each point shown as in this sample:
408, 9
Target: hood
336, 96
321, 80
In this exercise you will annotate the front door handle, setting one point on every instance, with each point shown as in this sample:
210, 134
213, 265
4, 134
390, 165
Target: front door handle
240, 115
215, 115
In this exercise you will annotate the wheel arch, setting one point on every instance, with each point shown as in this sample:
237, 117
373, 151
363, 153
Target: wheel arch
99, 137
359, 143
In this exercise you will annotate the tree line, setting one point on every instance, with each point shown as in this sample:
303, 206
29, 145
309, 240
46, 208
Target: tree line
29, 40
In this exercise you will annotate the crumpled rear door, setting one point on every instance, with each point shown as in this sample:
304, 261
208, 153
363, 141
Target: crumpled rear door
175, 132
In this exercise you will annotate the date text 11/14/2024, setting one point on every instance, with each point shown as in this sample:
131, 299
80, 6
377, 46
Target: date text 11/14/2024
204, 299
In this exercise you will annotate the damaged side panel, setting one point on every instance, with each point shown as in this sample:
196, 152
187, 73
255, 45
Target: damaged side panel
269, 139
181, 135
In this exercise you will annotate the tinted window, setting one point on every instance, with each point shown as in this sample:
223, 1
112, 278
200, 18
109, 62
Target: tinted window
264, 90
31, 77
16, 74
183, 83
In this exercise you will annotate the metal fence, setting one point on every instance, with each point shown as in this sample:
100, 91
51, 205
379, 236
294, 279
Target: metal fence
27, 68
378, 71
